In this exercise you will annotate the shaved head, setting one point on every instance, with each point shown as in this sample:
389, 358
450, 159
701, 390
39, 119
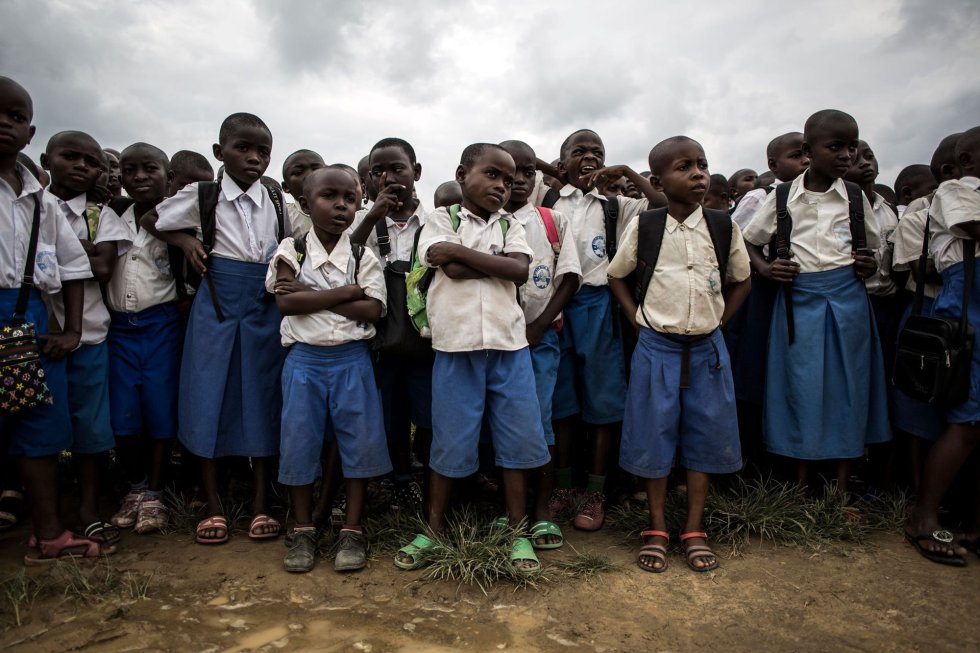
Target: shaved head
661, 153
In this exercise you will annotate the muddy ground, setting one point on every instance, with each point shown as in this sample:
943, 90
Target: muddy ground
876, 597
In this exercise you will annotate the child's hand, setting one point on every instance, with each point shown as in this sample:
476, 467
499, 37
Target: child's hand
441, 253
782, 270
864, 266
194, 253
356, 292
88, 247
534, 332
387, 199
603, 176
288, 287
59, 345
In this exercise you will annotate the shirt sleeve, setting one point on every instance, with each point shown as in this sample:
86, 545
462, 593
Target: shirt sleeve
625, 260
285, 252
738, 258
437, 229
747, 208
762, 226
113, 229
515, 242
568, 261
959, 205
629, 207
371, 278
908, 237
181, 211
73, 263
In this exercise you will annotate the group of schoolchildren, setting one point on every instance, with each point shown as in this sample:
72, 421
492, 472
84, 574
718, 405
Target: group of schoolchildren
555, 296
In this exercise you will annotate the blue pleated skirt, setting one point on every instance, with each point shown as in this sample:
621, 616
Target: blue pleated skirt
826, 394
230, 377
949, 303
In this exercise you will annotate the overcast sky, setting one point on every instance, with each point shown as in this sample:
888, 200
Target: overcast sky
338, 76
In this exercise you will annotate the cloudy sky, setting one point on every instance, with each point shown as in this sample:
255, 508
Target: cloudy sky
338, 76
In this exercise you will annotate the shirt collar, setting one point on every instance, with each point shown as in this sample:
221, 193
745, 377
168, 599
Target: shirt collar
233, 191
469, 215
76, 204
318, 255
29, 182
838, 187
524, 213
691, 221
418, 216
572, 191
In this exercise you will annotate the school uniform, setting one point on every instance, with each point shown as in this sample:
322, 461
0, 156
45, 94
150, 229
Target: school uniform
405, 382
44, 430
826, 394
482, 362
145, 333
682, 309
88, 365
885, 302
230, 393
751, 202
545, 268
299, 219
327, 377
592, 371
955, 204
916, 417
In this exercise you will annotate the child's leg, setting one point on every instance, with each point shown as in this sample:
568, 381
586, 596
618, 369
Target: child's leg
655, 560
87, 469
699, 556
262, 525
546, 483
40, 476
515, 495
843, 475
301, 557
209, 484
329, 483
302, 508
440, 488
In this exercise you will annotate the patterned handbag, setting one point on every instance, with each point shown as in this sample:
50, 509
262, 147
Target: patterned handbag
22, 384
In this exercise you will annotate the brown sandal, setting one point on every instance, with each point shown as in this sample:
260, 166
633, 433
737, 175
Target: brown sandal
656, 551
698, 551
67, 544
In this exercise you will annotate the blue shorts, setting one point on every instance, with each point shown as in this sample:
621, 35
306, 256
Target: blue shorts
335, 384
661, 417
500, 383
144, 372
592, 371
42, 430
406, 393
544, 359
88, 399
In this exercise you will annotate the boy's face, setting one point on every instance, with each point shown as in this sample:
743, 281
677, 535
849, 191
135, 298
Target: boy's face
75, 165
144, 175
684, 178
113, 183
585, 155
525, 170
969, 160
486, 184
864, 169
179, 179
616, 187
16, 113
832, 148
920, 186
296, 168
390, 166
245, 154
744, 182
716, 198
790, 162
331, 200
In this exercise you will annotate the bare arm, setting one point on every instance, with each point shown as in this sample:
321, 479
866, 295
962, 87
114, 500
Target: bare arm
59, 345
567, 286
461, 271
101, 261
779, 270
361, 310
511, 267
304, 302
621, 291
655, 197
735, 296
193, 248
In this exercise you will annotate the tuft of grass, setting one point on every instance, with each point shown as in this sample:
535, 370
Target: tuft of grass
20, 591
86, 584
586, 565
136, 585
389, 530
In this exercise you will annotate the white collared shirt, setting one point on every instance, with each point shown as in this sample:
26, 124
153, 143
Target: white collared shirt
474, 314
907, 238
881, 283
751, 202
546, 266
325, 271
955, 203
401, 235
821, 235
685, 293
95, 316
245, 221
141, 275
299, 219
588, 219
60, 256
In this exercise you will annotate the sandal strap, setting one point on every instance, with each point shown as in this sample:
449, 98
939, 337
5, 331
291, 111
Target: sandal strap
655, 533
653, 550
699, 552
693, 534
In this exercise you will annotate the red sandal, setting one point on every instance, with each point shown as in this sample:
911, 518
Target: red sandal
698, 551
656, 551
66, 545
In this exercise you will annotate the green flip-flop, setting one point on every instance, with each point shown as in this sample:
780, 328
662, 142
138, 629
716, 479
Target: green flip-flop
541, 529
522, 551
417, 549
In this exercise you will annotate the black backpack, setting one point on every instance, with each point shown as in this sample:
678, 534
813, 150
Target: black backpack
779, 245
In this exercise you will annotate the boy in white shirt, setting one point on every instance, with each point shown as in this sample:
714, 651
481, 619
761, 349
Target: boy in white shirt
75, 162
482, 361
330, 292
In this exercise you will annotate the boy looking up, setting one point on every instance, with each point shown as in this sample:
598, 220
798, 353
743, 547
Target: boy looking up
482, 362
680, 394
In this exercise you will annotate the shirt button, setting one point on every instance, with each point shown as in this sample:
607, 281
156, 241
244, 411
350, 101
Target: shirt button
134, 257
690, 266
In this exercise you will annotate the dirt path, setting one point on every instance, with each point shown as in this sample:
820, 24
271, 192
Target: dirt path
882, 597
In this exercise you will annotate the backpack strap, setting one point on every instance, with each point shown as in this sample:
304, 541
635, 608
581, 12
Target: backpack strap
278, 202
207, 199
649, 238
548, 219
551, 198
855, 200
357, 251
299, 244
720, 229
610, 209
779, 247
384, 240
27, 281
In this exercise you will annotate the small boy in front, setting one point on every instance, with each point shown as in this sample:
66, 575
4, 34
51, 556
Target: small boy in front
145, 339
482, 361
329, 301
75, 162
679, 321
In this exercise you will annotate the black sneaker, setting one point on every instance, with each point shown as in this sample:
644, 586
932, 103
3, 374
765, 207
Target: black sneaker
302, 551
